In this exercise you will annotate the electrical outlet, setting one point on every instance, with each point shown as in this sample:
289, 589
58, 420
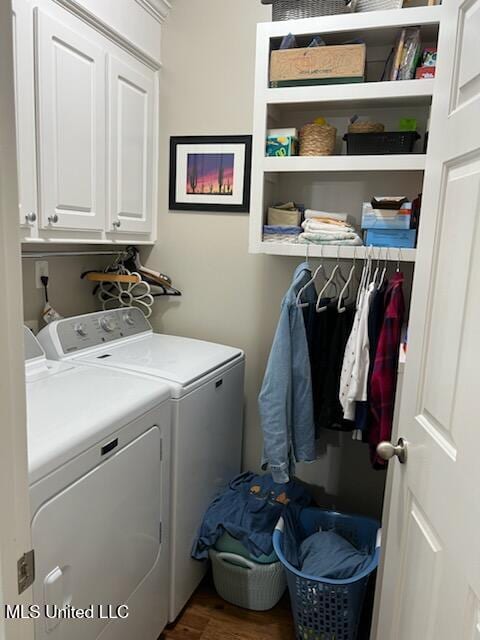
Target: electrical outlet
41, 269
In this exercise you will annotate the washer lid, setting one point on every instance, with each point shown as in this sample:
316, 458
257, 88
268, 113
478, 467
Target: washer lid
173, 358
75, 407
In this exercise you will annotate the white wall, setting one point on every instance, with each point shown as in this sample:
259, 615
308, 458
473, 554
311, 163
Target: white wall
67, 293
229, 295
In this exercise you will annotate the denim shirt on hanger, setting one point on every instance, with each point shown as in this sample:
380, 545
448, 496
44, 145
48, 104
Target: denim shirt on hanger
285, 400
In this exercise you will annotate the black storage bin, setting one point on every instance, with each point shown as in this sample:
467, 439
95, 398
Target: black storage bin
387, 142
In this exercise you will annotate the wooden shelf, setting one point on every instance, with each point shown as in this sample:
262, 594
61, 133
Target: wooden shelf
378, 94
401, 162
317, 251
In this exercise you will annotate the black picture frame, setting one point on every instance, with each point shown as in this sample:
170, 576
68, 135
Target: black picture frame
243, 207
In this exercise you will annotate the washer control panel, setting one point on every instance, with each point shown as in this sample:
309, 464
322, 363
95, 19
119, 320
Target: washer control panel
95, 329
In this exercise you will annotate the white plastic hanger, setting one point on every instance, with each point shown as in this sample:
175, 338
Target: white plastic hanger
377, 269
384, 270
363, 279
331, 281
341, 280
319, 307
298, 301
113, 295
340, 306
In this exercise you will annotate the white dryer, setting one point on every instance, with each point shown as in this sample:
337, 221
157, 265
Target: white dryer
98, 443
206, 382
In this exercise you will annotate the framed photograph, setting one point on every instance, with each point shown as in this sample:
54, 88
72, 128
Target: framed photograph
210, 173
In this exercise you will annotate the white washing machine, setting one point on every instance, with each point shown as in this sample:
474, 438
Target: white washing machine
206, 382
98, 444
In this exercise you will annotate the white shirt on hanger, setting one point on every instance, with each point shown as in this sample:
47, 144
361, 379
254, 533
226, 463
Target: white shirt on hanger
356, 361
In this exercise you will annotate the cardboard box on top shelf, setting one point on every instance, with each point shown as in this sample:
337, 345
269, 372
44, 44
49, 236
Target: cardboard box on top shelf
330, 64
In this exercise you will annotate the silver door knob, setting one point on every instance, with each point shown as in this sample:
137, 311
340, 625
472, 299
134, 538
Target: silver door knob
387, 450
31, 217
53, 219
116, 224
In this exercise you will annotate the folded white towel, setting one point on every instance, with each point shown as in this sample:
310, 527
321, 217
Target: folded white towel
323, 223
328, 229
313, 213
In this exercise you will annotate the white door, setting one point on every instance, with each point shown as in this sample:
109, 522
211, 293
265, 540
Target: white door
431, 584
131, 148
71, 125
14, 500
22, 17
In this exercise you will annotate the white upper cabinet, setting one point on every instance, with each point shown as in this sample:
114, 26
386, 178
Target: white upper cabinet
71, 126
25, 114
131, 130
87, 121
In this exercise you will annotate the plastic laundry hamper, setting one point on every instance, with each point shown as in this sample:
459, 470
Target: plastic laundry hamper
325, 609
245, 583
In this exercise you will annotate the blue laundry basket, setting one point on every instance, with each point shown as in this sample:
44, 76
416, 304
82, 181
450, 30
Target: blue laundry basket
325, 609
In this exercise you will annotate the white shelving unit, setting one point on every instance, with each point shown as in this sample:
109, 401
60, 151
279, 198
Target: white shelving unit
378, 93
338, 251
293, 105
401, 162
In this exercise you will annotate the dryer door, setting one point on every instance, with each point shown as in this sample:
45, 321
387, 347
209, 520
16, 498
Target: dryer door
97, 540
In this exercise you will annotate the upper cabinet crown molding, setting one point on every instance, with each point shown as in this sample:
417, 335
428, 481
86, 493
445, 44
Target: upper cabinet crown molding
134, 25
158, 8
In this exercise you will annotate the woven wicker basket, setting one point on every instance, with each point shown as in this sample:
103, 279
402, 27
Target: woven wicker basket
245, 583
317, 140
366, 127
295, 9
378, 5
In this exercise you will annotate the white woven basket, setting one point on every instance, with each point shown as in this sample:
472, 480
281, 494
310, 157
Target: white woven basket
247, 584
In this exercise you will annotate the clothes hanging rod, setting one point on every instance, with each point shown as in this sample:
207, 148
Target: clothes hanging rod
66, 254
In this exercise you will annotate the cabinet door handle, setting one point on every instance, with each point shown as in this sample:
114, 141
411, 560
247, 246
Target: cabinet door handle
31, 217
53, 219
116, 224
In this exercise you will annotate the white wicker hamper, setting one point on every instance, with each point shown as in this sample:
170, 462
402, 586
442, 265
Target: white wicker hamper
245, 583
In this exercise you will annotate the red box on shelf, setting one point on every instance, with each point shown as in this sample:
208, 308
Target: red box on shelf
425, 72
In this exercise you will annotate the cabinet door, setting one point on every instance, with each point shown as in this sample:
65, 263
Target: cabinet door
22, 17
71, 125
132, 134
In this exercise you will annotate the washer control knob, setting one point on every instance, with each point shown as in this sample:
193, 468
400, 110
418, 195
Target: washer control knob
80, 329
128, 318
108, 323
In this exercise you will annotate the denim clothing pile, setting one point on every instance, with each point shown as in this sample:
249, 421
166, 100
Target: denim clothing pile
326, 554
248, 511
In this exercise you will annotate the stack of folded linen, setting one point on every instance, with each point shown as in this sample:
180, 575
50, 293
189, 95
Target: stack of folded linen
328, 228
314, 213
281, 233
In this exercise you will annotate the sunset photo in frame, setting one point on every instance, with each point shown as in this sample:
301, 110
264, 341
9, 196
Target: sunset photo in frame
210, 173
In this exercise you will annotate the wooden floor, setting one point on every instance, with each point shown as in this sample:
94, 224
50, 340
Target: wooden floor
208, 617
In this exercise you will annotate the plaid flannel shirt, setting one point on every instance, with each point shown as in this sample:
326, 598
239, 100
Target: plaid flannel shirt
385, 369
